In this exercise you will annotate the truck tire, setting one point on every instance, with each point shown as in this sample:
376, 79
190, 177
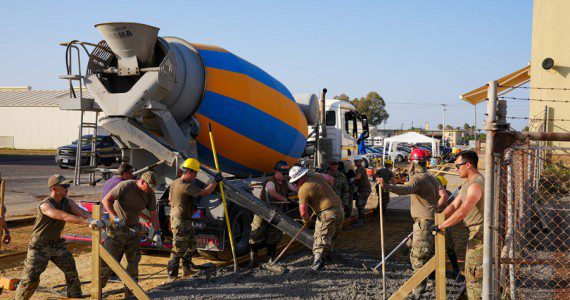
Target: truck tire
241, 228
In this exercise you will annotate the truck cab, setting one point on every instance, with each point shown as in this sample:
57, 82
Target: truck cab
345, 128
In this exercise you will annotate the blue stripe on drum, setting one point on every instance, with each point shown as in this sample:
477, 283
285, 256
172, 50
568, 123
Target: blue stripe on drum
226, 165
231, 62
274, 134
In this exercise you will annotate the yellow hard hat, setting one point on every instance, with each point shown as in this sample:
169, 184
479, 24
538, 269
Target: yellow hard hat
191, 163
442, 180
388, 162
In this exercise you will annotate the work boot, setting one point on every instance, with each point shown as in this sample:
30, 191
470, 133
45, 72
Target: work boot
454, 264
271, 251
252, 260
360, 222
173, 266
186, 268
318, 262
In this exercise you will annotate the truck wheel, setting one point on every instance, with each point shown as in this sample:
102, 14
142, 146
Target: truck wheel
63, 166
241, 227
399, 158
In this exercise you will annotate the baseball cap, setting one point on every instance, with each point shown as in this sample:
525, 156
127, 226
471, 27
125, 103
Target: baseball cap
282, 166
150, 178
58, 179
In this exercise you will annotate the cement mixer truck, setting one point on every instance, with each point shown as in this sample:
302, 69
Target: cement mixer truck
157, 96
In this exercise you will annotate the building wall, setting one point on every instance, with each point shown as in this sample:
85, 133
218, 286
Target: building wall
40, 127
551, 38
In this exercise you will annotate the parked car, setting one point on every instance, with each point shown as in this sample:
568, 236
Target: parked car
107, 152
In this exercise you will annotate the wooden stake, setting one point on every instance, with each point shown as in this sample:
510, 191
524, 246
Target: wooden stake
96, 292
418, 277
440, 281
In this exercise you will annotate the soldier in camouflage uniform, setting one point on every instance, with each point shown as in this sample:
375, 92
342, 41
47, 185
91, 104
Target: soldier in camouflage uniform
124, 204
315, 192
468, 207
46, 243
388, 176
274, 193
426, 191
183, 192
340, 185
363, 188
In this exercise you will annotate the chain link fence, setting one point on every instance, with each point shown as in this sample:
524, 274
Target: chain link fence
533, 227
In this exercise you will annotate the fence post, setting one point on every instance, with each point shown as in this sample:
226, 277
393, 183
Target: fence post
96, 292
489, 190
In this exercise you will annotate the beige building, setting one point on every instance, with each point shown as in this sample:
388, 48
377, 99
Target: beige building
548, 70
550, 44
32, 119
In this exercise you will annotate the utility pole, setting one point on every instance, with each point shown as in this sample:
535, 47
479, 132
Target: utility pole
444, 106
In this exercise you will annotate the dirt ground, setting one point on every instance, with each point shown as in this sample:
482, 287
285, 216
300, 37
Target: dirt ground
360, 245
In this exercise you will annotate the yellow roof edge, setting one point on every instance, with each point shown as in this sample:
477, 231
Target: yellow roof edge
511, 80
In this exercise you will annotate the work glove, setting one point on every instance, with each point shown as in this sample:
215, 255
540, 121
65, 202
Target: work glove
98, 224
218, 177
119, 222
434, 229
157, 239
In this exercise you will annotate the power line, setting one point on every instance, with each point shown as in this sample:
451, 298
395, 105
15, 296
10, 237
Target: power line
533, 99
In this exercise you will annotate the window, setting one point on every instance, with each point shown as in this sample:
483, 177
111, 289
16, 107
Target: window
350, 123
330, 118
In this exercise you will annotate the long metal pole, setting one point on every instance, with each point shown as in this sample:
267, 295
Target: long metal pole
510, 238
381, 200
443, 127
489, 191
223, 198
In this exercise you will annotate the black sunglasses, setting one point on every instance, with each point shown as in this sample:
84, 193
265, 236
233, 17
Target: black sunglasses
65, 186
459, 165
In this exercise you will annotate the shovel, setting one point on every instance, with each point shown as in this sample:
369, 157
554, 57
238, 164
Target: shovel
272, 265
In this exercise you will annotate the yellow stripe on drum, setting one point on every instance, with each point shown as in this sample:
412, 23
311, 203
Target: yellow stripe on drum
209, 47
239, 148
245, 89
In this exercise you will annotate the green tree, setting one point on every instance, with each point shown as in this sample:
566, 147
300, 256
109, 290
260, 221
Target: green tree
448, 127
439, 126
342, 96
525, 128
373, 106
467, 128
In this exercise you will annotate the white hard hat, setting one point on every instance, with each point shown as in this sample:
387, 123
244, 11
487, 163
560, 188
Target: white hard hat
296, 172
357, 157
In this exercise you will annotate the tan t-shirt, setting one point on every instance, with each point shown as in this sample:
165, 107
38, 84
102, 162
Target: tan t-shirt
475, 216
363, 183
47, 229
182, 195
317, 192
423, 188
130, 200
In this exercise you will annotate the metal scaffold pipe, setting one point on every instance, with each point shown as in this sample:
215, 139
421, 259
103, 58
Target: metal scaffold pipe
489, 191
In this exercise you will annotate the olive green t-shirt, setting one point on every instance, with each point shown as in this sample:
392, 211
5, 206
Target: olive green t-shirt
424, 191
363, 183
317, 192
475, 216
130, 200
281, 189
47, 229
182, 197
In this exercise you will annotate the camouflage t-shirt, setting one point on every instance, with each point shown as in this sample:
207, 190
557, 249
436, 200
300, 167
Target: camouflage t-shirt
130, 200
182, 195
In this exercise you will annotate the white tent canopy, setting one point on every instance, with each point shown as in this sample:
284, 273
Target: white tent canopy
409, 138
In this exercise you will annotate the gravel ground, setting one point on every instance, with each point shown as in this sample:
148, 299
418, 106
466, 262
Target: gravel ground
343, 278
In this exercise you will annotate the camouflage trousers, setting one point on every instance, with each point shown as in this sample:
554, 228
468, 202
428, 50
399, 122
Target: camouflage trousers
183, 242
362, 200
449, 241
327, 229
121, 241
423, 249
474, 263
39, 254
263, 232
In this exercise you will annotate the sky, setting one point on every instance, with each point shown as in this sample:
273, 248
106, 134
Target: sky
420, 52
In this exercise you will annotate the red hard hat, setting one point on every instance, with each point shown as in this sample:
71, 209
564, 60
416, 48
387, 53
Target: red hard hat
418, 154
